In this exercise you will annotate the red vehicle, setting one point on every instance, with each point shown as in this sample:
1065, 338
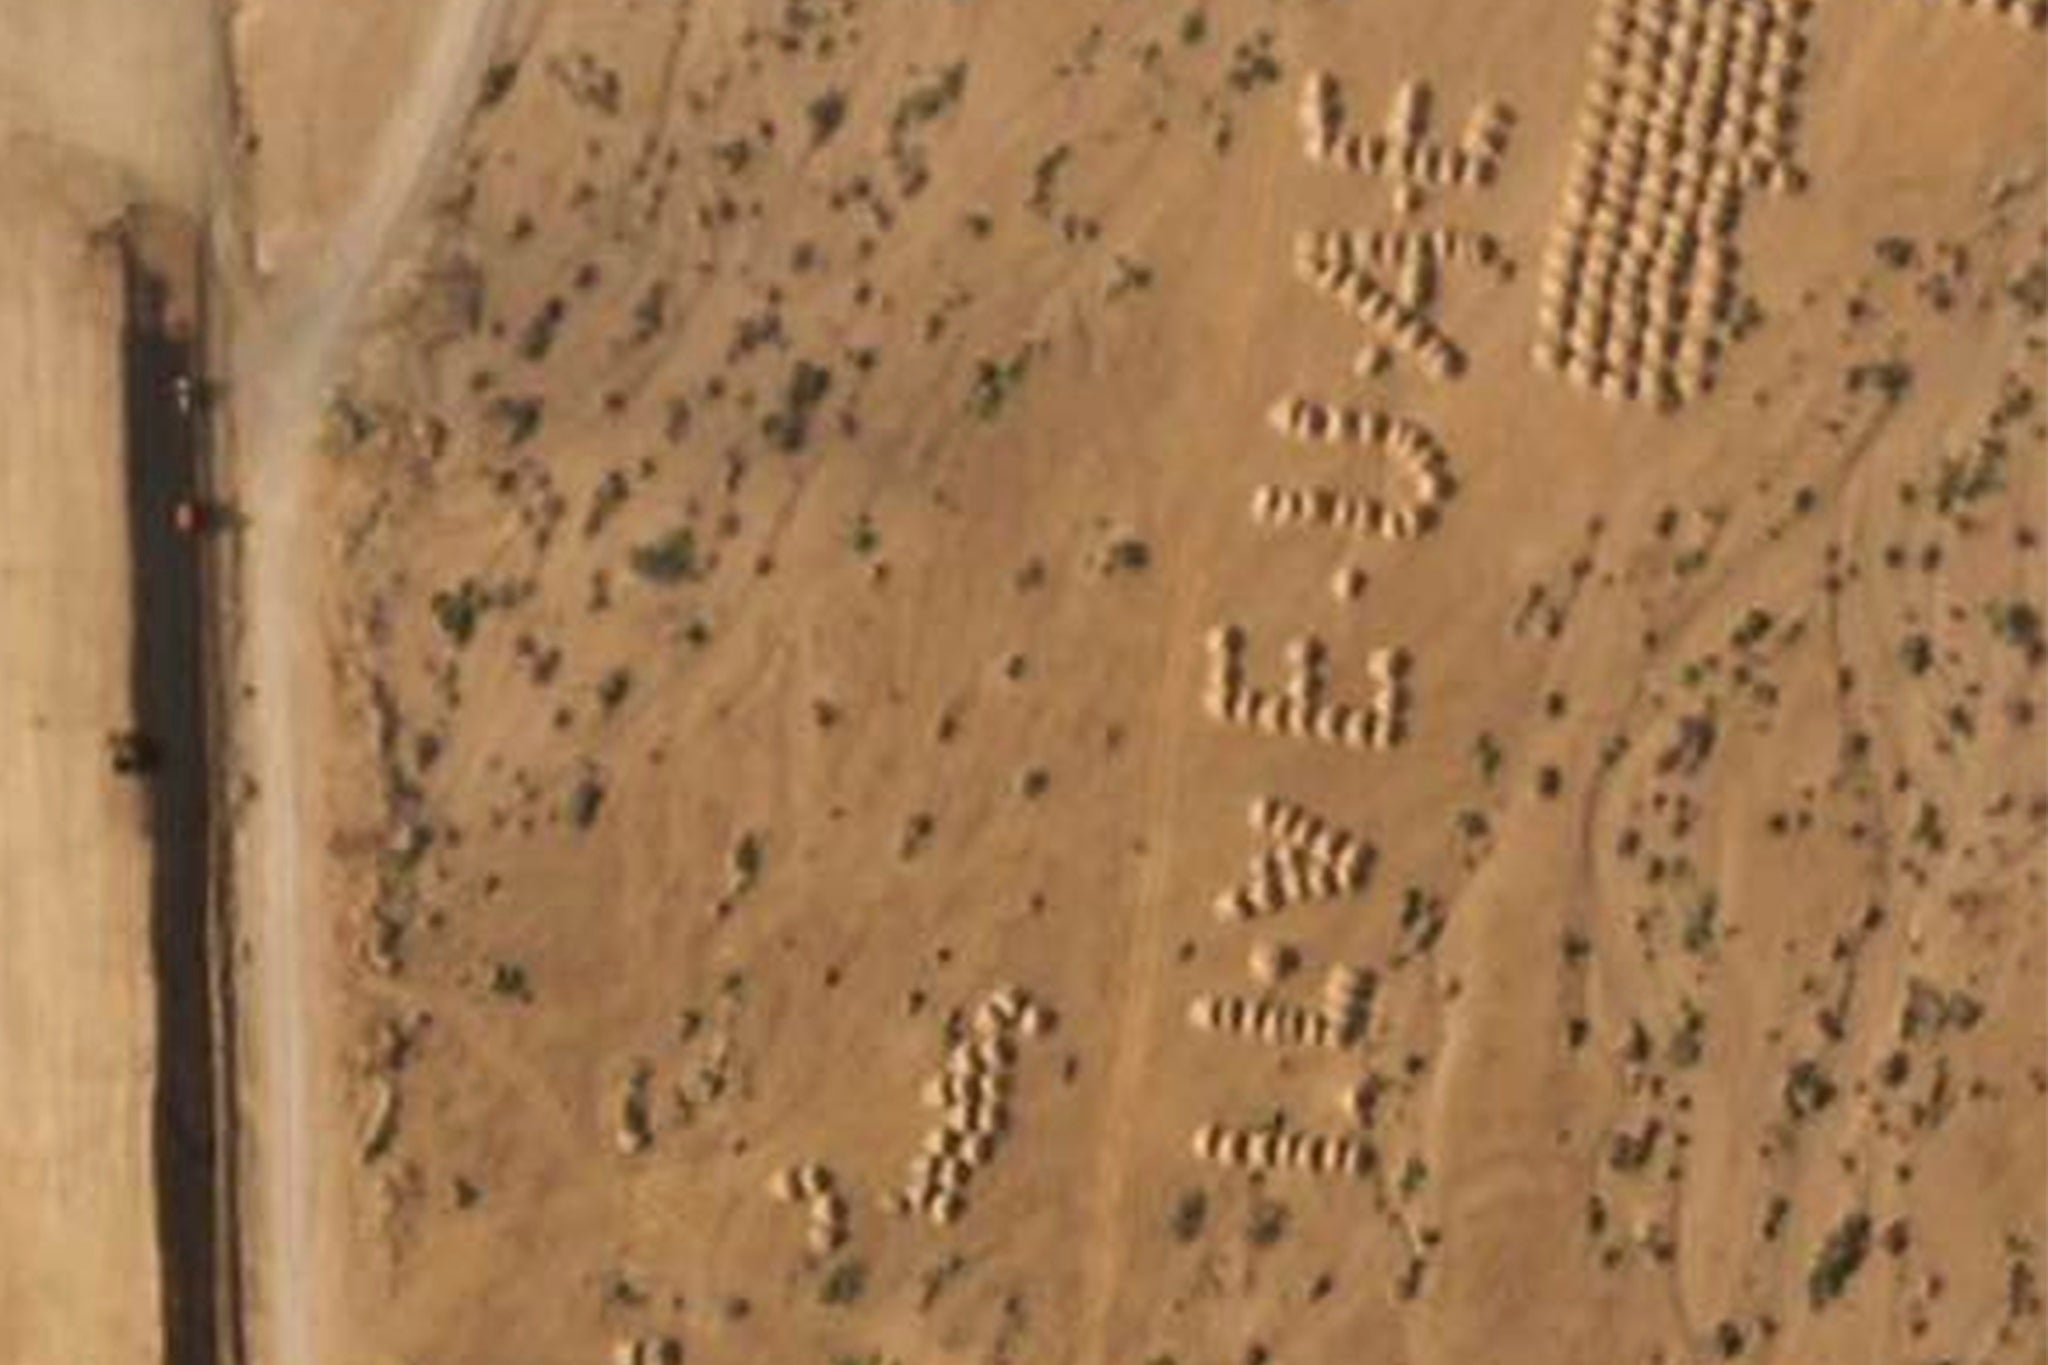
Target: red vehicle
191, 517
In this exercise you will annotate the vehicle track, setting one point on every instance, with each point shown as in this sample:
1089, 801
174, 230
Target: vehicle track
292, 334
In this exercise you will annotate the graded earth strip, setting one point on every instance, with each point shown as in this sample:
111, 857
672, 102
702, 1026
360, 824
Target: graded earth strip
76, 1010
290, 332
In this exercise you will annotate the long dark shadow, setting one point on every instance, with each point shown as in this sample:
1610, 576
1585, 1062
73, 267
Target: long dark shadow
170, 712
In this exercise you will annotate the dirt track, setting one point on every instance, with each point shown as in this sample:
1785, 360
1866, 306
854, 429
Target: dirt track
290, 332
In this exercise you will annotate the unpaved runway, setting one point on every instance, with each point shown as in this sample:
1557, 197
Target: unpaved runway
129, 82
77, 1035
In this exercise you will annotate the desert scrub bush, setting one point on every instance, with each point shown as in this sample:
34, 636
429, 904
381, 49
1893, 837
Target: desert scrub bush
585, 800
1688, 1041
995, 381
458, 611
864, 538
517, 418
497, 83
1486, 749
1267, 1224
1807, 1089
923, 103
790, 427
826, 113
509, 979
1190, 1214
1127, 554
1128, 277
749, 852
346, 423
1840, 1257
668, 560
845, 1284
1252, 64
2018, 623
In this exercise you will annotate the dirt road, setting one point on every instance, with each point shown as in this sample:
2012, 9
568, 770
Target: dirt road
290, 332
138, 93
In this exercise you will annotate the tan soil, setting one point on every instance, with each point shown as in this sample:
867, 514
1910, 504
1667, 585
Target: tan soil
77, 1016
650, 888
749, 598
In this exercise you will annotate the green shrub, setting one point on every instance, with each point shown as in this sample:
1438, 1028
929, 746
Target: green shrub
671, 559
846, 1283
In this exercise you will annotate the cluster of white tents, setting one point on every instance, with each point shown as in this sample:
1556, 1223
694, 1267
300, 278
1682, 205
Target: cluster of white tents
1306, 858
1401, 150
1382, 309
1294, 825
1339, 1019
1417, 460
1689, 106
1282, 1149
973, 1092
813, 1185
1301, 708
1416, 255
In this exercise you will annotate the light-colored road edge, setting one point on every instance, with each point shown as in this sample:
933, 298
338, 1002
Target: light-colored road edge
277, 349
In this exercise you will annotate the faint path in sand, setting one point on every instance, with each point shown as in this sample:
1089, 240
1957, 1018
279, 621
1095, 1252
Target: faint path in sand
291, 334
1135, 1038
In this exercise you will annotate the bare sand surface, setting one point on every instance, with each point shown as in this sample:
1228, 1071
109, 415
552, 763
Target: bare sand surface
77, 1014
1235, 684
806, 543
129, 85
337, 103
104, 106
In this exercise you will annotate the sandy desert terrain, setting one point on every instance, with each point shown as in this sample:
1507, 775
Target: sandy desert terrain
97, 120
891, 794
76, 1178
1251, 683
